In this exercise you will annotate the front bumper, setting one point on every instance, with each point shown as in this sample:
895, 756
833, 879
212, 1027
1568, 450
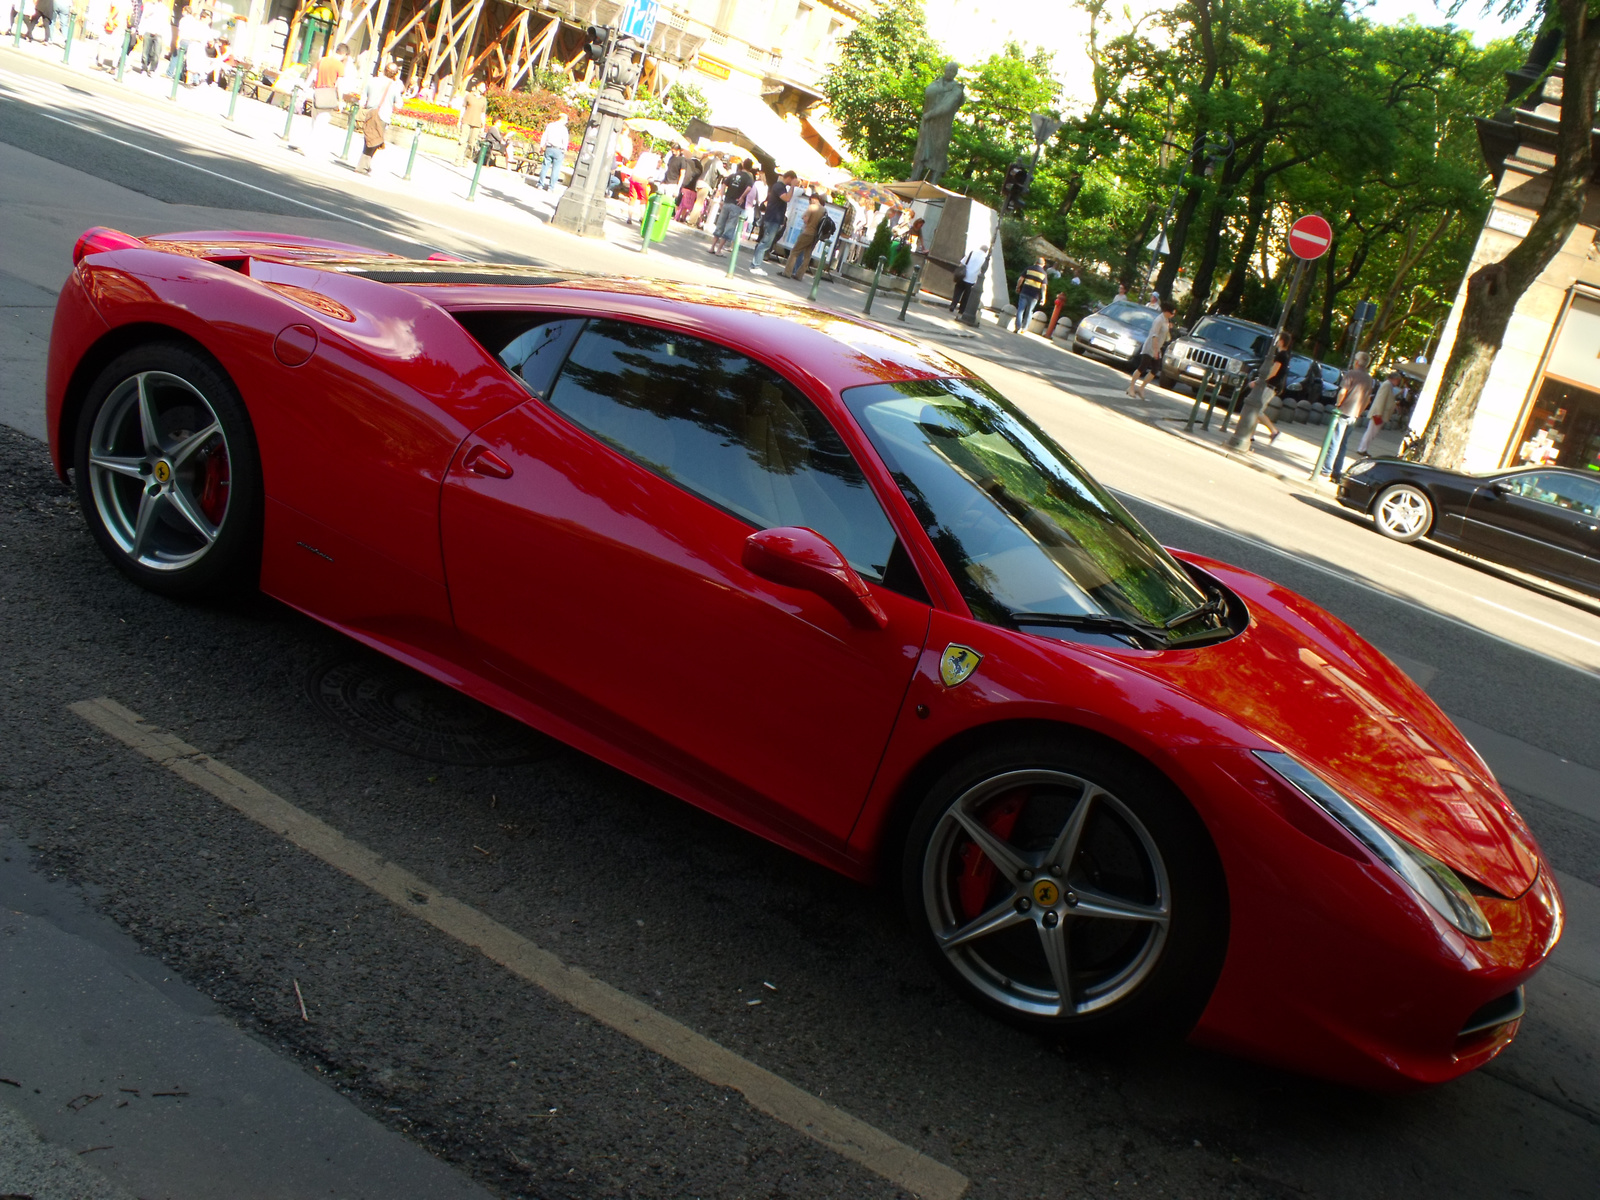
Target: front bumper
1335, 968
1356, 493
1102, 346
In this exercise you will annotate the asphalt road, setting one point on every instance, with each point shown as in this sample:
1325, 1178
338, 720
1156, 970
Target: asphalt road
524, 1097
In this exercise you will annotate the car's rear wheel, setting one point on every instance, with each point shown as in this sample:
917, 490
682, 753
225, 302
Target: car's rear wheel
168, 474
1068, 888
1403, 512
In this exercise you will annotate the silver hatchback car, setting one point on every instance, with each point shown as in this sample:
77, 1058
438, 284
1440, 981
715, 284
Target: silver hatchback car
1115, 333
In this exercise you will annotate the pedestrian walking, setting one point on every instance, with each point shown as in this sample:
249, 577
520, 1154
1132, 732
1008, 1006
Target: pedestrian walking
474, 114
733, 197
1030, 290
326, 73
705, 188
1272, 375
687, 188
1355, 392
810, 234
377, 110
967, 272
1382, 408
1155, 343
774, 217
44, 13
554, 142
155, 26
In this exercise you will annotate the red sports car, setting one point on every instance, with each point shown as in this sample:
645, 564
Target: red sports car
823, 581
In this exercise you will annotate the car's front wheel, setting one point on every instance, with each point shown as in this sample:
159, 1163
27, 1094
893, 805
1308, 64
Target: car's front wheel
1068, 887
1403, 512
168, 474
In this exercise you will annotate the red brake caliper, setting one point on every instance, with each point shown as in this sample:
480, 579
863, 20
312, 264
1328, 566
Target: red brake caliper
977, 871
214, 487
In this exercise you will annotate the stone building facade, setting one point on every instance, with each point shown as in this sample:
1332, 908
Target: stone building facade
1541, 403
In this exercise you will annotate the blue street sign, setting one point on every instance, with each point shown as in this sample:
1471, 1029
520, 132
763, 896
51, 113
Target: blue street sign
638, 19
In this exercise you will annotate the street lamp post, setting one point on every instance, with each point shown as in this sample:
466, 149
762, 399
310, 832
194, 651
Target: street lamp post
582, 207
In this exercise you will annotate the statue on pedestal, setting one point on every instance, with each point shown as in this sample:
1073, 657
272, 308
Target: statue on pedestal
939, 104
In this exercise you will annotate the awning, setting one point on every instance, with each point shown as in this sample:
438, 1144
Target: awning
742, 115
920, 189
828, 132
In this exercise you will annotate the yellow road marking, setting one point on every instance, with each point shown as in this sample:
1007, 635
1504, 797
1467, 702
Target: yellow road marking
771, 1094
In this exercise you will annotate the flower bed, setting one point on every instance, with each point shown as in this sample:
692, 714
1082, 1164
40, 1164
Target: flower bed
426, 113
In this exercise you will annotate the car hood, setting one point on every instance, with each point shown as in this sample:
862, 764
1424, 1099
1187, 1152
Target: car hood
1304, 682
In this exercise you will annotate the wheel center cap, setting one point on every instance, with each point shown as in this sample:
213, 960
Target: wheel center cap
162, 471
1046, 893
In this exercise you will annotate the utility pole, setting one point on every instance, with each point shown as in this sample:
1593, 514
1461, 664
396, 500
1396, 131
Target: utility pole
582, 207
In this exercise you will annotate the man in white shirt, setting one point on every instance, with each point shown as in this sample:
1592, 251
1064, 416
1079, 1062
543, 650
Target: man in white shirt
155, 27
1382, 408
1150, 354
554, 142
966, 276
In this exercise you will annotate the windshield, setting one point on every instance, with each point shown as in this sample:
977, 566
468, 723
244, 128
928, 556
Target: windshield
1134, 316
1240, 337
1022, 528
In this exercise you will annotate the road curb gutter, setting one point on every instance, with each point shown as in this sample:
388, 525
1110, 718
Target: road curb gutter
771, 1094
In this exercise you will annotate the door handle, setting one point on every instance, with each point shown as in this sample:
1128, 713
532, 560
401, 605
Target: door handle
481, 460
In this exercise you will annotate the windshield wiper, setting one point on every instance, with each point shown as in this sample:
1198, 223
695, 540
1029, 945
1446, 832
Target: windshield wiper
1095, 623
1217, 604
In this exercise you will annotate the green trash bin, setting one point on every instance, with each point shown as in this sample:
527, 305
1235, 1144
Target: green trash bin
656, 218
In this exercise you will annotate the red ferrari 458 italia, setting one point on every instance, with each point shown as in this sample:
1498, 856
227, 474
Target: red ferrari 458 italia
824, 582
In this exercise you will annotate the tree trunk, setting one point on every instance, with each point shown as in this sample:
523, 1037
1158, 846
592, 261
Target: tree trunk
1130, 260
1494, 289
1206, 271
1233, 289
1179, 233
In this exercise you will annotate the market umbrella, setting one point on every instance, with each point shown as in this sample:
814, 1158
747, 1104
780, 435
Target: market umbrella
656, 128
860, 189
732, 149
1051, 253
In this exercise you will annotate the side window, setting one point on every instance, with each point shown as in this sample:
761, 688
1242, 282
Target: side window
730, 430
1563, 491
531, 347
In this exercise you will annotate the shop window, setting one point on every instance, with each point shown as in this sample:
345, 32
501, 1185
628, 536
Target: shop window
1562, 430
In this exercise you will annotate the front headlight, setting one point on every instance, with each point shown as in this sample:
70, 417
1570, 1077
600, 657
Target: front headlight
1360, 468
1236, 366
1439, 886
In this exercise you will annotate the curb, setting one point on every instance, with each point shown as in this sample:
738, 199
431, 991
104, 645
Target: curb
1266, 467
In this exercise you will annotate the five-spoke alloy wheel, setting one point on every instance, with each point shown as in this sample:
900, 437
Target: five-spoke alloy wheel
167, 472
1403, 512
1069, 888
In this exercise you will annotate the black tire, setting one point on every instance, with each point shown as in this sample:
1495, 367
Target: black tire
1148, 976
1403, 512
1170, 382
202, 492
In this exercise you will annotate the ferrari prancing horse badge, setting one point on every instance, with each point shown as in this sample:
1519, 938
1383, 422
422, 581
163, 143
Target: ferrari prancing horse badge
958, 663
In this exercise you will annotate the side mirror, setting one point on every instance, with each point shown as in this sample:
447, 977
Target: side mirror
803, 558
1500, 487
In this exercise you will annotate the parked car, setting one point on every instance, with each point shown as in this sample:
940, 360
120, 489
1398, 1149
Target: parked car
1227, 344
1300, 370
824, 582
1542, 520
1115, 333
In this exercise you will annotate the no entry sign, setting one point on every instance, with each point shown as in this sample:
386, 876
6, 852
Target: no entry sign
1310, 237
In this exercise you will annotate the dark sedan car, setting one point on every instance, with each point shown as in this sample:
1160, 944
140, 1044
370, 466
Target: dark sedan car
1115, 333
1542, 520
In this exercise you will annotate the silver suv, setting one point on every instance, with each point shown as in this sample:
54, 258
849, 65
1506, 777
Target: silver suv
1227, 344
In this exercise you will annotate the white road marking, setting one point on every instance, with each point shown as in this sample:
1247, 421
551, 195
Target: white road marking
1516, 613
1345, 577
777, 1097
316, 208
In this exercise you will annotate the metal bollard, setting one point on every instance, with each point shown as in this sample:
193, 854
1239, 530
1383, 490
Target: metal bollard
411, 160
177, 74
1325, 456
288, 120
72, 21
877, 278
651, 206
733, 246
816, 282
233, 89
914, 288
483, 153
1050, 329
122, 59
1200, 398
350, 130
16, 32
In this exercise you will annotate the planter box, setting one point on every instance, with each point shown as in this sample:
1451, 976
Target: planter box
856, 273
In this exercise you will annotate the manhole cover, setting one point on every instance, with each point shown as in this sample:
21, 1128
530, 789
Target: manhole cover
404, 710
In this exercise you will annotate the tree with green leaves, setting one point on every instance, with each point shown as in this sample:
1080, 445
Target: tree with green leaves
1493, 289
875, 88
